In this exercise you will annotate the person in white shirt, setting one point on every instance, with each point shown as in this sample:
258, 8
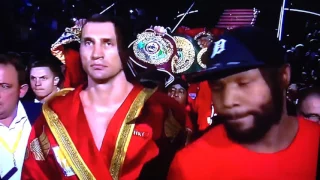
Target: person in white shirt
14, 124
45, 78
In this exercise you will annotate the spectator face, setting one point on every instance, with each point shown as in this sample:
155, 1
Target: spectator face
249, 103
10, 90
310, 108
43, 82
178, 93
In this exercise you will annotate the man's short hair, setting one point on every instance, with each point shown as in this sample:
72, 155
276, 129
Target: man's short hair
54, 67
51, 62
181, 82
15, 60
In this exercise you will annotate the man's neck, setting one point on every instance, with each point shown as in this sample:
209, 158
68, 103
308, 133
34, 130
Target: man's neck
8, 120
108, 94
278, 138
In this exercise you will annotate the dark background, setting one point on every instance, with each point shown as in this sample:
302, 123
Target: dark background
33, 25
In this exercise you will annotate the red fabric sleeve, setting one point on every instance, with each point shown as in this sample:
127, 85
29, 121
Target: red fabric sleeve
74, 74
217, 31
39, 170
178, 111
190, 32
203, 105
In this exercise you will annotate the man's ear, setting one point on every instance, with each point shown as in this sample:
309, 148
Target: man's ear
23, 90
56, 81
286, 75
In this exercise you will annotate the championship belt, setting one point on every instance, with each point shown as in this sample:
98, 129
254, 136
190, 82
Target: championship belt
185, 60
154, 50
202, 58
204, 39
200, 39
70, 35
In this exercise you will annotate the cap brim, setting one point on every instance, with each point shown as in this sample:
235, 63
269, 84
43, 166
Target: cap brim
215, 73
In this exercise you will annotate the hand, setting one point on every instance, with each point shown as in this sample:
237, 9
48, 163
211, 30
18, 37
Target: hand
80, 22
160, 30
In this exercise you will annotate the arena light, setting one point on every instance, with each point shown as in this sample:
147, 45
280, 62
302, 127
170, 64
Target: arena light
191, 12
106, 9
281, 20
302, 11
279, 24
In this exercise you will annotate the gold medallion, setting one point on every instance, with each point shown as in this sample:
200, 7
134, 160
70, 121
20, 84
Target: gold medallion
201, 59
152, 48
185, 55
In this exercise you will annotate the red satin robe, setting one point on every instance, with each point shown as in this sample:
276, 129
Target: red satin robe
142, 147
74, 74
214, 156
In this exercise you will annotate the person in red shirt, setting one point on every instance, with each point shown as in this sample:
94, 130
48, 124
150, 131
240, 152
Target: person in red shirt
248, 78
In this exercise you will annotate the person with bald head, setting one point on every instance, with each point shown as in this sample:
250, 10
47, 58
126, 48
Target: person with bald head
309, 104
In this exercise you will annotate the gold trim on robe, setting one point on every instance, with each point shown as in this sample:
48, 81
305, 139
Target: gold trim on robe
64, 140
126, 132
70, 151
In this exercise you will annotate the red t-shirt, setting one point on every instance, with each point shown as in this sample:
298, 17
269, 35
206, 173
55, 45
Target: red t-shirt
214, 156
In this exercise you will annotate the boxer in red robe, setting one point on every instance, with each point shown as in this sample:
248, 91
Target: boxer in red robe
257, 138
107, 128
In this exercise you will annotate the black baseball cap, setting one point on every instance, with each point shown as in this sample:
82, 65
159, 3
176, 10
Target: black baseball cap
180, 81
239, 50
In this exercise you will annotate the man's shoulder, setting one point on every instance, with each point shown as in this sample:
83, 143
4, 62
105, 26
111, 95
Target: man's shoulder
27, 104
63, 98
215, 138
167, 106
32, 109
163, 100
307, 124
206, 153
308, 128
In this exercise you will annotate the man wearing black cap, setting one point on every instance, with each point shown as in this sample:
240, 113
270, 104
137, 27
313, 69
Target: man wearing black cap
257, 139
178, 90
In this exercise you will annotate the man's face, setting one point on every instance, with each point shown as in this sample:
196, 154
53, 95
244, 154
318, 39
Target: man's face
310, 108
99, 51
9, 90
43, 82
247, 104
178, 93
204, 41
